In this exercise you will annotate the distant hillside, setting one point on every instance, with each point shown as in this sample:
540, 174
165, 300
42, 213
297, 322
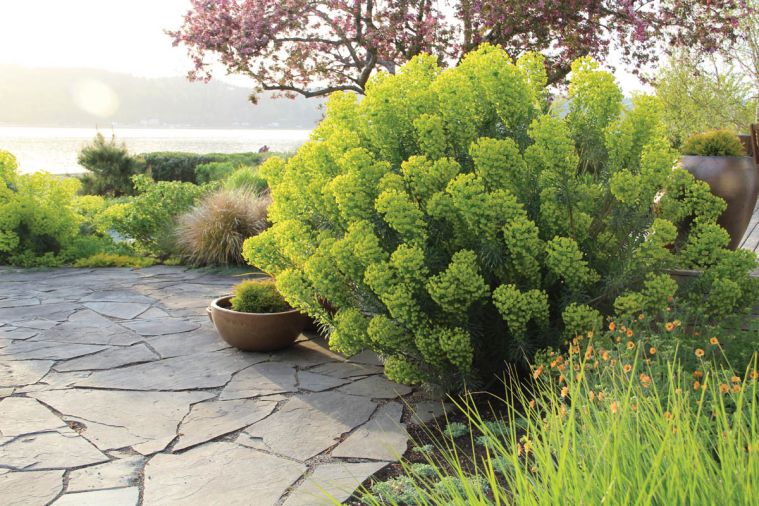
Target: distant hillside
85, 98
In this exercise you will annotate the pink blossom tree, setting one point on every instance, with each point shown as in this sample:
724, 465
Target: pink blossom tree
315, 47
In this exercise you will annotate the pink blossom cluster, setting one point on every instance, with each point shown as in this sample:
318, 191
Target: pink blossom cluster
314, 47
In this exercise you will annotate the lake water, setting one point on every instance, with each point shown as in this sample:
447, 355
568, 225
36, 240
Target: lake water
55, 149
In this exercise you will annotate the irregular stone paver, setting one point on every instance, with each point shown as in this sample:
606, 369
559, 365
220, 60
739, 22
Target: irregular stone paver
332, 482
306, 354
260, 379
88, 327
205, 370
204, 339
318, 382
21, 415
114, 497
56, 381
122, 310
59, 311
219, 473
49, 450
308, 424
18, 302
209, 420
30, 488
123, 472
19, 373
346, 369
381, 438
117, 296
117, 376
109, 358
375, 387
26, 350
40, 324
18, 333
161, 326
145, 421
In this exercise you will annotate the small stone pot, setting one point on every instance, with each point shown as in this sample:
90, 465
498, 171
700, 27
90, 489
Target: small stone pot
256, 331
736, 180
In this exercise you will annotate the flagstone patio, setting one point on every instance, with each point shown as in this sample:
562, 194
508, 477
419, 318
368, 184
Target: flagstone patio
115, 389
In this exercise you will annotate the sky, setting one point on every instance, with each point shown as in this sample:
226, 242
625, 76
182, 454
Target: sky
121, 36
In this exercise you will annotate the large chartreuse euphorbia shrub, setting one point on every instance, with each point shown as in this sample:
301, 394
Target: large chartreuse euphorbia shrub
451, 223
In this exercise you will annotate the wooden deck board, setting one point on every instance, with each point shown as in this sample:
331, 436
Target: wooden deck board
751, 239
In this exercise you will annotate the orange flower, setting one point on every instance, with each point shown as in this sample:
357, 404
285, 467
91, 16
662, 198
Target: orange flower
613, 362
629, 332
537, 372
698, 374
668, 415
564, 392
630, 345
754, 375
600, 396
735, 379
736, 388
723, 388
714, 341
627, 368
634, 407
641, 316
669, 326
612, 326
696, 385
532, 403
614, 407
590, 334
605, 356
652, 350
699, 352
561, 378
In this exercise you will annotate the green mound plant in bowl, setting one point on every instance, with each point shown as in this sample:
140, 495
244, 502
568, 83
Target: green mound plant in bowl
718, 158
258, 296
256, 317
714, 143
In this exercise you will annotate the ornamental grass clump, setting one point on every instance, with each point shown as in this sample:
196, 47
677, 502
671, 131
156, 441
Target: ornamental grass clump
451, 223
213, 232
618, 437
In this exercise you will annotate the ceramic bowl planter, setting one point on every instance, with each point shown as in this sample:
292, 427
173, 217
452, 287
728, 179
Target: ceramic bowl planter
256, 331
735, 179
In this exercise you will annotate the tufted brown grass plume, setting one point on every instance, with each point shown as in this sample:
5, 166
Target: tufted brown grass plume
213, 231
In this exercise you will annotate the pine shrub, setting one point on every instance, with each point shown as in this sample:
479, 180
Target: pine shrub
450, 222
714, 143
258, 296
